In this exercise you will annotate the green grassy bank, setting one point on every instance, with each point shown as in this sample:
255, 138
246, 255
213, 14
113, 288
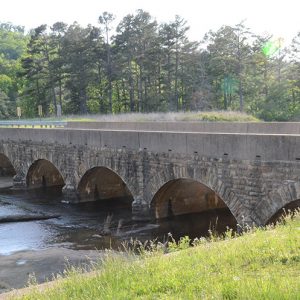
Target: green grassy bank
261, 264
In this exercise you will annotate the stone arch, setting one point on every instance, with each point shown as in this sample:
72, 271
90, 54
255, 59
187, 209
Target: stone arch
185, 196
288, 208
103, 183
43, 173
286, 197
6, 166
209, 179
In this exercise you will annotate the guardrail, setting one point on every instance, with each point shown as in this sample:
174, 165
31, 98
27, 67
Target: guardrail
33, 124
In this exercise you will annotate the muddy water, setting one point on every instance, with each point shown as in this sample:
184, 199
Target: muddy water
39, 246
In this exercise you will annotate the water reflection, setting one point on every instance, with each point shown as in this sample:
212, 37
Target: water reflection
196, 225
23, 236
92, 225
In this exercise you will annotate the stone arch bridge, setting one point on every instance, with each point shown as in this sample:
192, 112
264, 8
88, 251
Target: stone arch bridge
255, 175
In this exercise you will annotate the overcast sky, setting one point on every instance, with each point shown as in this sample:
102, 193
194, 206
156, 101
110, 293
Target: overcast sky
280, 18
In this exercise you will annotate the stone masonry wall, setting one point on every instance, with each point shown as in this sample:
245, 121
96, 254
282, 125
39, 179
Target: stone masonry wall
253, 190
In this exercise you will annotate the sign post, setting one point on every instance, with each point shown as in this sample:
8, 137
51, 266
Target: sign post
19, 113
40, 110
58, 109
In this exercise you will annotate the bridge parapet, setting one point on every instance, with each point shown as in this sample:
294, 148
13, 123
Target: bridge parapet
266, 147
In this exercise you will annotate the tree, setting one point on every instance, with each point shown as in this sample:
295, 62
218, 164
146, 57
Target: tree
146, 67
294, 75
78, 49
12, 46
58, 31
36, 68
242, 54
105, 20
229, 57
173, 37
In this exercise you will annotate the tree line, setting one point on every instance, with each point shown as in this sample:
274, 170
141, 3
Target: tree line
143, 66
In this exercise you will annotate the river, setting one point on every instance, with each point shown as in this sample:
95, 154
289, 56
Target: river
78, 233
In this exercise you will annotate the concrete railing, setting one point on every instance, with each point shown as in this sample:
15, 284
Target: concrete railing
226, 127
265, 147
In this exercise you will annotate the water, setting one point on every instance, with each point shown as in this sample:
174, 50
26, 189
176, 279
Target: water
40, 247
77, 227
81, 226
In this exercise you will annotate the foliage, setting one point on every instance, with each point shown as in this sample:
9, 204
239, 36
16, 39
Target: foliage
12, 46
146, 67
261, 264
221, 116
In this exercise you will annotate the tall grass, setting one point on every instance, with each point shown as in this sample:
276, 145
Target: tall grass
206, 116
222, 116
261, 264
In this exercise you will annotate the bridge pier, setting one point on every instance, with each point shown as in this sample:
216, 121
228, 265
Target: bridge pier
70, 193
140, 210
19, 181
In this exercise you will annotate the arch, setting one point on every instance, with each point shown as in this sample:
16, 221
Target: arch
185, 196
102, 183
283, 198
207, 177
286, 209
43, 173
6, 167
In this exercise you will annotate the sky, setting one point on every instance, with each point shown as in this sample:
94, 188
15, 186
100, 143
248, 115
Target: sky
277, 17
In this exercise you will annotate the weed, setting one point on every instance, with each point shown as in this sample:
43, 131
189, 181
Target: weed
261, 263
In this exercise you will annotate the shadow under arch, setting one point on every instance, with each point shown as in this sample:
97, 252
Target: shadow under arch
283, 198
43, 174
6, 167
191, 207
183, 196
289, 208
102, 183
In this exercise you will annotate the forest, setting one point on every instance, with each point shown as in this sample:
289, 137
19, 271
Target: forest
143, 66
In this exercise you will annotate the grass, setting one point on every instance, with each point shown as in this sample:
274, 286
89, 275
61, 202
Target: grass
213, 116
208, 116
219, 116
261, 264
